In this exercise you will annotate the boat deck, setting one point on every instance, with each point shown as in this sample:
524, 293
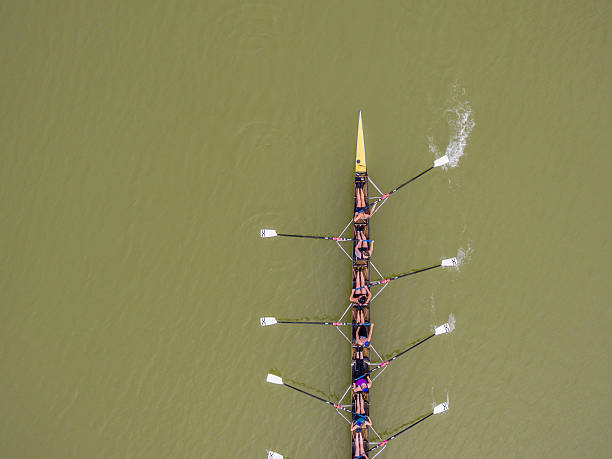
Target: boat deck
360, 366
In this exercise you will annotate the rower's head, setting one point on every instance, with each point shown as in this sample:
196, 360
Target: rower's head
362, 299
366, 389
366, 344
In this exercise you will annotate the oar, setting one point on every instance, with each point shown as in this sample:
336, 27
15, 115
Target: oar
440, 330
278, 380
273, 233
437, 163
445, 263
266, 321
273, 455
441, 408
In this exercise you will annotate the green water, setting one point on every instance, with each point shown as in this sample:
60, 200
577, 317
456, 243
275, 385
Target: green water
144, 145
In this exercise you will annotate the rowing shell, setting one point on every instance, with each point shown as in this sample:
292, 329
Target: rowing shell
361, 177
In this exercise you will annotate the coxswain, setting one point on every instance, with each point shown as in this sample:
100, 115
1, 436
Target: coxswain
361, 207
359, 450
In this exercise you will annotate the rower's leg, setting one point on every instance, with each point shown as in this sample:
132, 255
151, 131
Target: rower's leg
360, 443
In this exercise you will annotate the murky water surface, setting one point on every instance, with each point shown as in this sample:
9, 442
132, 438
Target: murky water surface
144, 145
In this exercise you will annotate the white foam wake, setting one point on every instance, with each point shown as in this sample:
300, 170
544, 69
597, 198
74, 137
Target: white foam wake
464, 255
461, 123
451, 322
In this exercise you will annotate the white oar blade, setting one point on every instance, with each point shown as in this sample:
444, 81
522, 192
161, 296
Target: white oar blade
443, 329
449, 262
265, 321
441, 161
441, 408
268, 233
273, 455
274, 379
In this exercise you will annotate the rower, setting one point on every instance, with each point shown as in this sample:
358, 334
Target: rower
358, 447
363, 248
361, 293
359, 404
360, 423
362, 385
361, 206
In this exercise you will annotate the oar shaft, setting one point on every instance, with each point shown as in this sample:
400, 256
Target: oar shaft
309, 323
415, 272
410, 348
399, 187
318, 398
327, 238
403, 275
301, 235
399, 433
320, 323
412, 179
304, 392
384, 364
